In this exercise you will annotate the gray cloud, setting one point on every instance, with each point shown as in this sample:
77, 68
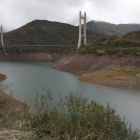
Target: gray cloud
15, 13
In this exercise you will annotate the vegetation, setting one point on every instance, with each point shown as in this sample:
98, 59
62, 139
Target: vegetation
83, 50
113, 45
112, 29
42, 49
134, 36
100, 52
130, 70
105, 45
14, 117
43, 32
73, 117
66, 51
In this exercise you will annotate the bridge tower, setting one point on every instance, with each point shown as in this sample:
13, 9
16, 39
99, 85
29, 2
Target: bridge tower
2, 43
82, 34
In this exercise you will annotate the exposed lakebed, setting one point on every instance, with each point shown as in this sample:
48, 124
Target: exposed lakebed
26, 78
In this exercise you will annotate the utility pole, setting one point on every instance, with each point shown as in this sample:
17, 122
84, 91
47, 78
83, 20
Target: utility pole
80, 29
2, 43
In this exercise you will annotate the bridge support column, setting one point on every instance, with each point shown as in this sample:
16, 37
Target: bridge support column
85, 39
80, 29
2, 43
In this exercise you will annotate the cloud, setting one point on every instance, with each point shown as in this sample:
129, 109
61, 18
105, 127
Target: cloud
15, 13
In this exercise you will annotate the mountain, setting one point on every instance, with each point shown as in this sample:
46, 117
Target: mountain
43, 32
112, 29
135, 36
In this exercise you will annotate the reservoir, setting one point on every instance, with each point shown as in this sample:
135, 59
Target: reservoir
26, 78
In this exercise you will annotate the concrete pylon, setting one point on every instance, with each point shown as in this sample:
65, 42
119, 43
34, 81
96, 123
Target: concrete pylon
2, 43
80, 29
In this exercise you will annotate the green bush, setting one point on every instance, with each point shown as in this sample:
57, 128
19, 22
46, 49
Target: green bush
76, 118
100, 52
117, 42
138, 53
83, 50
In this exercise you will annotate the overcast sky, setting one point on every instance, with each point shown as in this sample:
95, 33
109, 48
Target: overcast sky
16, 13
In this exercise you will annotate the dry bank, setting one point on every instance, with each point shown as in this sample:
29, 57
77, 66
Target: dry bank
105, 70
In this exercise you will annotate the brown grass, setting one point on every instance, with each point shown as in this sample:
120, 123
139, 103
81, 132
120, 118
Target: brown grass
9, 104
110, 75
111, 78
123, 74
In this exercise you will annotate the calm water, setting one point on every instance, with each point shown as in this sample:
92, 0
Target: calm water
25, 78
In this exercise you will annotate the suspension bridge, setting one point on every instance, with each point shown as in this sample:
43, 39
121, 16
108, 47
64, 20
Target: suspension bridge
79, 20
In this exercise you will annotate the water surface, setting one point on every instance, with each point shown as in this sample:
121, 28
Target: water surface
26, 78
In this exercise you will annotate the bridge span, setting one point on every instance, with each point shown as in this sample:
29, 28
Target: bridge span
44, 45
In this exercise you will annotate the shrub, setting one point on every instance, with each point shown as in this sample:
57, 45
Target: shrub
20, 50
76, 118
138, 53
100, 52
88, 47
117, 42
83, 50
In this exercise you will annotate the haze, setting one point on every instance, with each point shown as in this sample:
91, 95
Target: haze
16, 13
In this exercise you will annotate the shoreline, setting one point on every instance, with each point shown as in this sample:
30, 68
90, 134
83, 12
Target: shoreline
95, 69
10, 104
23, 56
118, 79
30, 56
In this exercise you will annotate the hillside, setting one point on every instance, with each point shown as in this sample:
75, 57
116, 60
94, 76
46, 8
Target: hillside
43, 32
112, 29
112, 45
135, 36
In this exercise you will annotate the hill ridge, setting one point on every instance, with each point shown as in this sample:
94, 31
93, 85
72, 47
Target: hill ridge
112, 29
44, 32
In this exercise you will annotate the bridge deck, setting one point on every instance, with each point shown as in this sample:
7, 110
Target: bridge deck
44, 45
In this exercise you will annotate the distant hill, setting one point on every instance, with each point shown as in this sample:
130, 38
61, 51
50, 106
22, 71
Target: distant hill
135, 36
112, 29
43, 32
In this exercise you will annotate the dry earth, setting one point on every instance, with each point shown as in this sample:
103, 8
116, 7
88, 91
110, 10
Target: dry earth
77, 63
94, 69
111, 78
